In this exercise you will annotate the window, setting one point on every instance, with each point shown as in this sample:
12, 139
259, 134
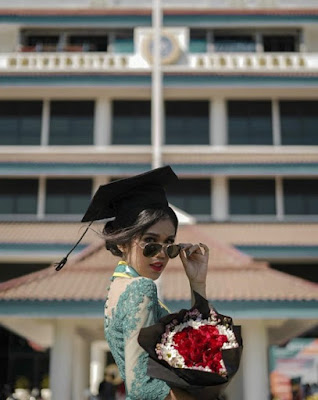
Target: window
67, 196
18, 196
20, 122
250, 122
88, 42
123, 42
299, 121
191, 195
15, 270
42, 42
231, 43
252, 196
303, 270
279, 43
71, 122
198, 41
301, 196
187, 122
131, 122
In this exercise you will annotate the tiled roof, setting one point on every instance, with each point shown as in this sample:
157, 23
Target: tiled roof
254, 282
231, 233
232, 276
46, 232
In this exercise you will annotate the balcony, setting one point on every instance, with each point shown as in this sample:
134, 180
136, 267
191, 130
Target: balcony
52, 62
63, 62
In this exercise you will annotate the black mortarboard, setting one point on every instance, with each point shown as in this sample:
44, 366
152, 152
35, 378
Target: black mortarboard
124, 199
131, 195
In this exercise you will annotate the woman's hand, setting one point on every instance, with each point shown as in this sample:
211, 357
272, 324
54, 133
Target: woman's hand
195, 259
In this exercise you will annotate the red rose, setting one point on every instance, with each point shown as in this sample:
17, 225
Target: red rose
201, 347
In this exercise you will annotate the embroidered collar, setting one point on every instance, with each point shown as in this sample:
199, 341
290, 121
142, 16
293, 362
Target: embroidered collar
123, 270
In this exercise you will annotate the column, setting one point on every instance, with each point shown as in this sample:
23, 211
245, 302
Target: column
254, 360
102, 122
41, 197
218, 130
279, 198
156, 87
45, 127
220, 198
61, 361
276, 123
81, 368
98, 349
259, 42
235, 389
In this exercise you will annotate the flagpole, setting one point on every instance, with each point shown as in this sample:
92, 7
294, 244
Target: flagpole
156, 92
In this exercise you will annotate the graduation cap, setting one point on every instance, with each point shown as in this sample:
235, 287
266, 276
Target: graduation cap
124, 199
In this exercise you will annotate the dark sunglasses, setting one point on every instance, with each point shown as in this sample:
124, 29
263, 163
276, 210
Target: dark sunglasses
151, 249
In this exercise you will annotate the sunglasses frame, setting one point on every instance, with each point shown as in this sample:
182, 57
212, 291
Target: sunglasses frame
164, 246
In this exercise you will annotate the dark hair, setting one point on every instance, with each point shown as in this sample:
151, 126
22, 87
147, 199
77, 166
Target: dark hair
145, 219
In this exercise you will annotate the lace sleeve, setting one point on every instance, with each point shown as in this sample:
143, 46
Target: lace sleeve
141, 309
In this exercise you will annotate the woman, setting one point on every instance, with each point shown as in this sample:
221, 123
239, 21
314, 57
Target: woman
142, 234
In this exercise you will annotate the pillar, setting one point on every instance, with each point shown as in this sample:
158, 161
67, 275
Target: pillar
98, 349
218, 129
81, 368
235, 389
254, 360
220, 198
61, 364
102, 122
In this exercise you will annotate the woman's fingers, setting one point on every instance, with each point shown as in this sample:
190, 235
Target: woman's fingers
190, 248
205, 247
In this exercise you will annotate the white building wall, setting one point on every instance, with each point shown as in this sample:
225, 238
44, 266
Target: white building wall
61, 361
254, 360
9, 37
310, 35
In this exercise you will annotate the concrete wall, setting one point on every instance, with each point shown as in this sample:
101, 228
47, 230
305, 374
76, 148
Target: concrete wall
310, 38
9, 37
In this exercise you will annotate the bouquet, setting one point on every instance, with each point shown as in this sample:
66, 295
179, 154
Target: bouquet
197, 350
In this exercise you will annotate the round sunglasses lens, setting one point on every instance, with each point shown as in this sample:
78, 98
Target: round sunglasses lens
151, 249
173, 250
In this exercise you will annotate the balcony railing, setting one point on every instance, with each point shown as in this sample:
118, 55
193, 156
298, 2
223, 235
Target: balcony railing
60, 62
103, 62
255, 61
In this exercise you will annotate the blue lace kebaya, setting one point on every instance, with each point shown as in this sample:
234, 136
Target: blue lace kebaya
136, 305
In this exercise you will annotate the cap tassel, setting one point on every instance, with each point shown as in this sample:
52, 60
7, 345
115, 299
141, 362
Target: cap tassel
61, 264
58, 266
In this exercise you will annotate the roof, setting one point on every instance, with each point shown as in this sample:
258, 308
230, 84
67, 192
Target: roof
232, 276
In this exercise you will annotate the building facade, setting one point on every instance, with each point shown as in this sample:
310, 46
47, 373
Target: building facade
237, 97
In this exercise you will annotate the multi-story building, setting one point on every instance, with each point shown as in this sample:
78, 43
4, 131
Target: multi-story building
237, 94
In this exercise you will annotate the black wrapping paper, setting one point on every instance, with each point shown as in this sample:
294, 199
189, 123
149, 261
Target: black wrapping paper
202, 385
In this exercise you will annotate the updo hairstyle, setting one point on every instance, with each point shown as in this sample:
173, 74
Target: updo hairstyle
115, 235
